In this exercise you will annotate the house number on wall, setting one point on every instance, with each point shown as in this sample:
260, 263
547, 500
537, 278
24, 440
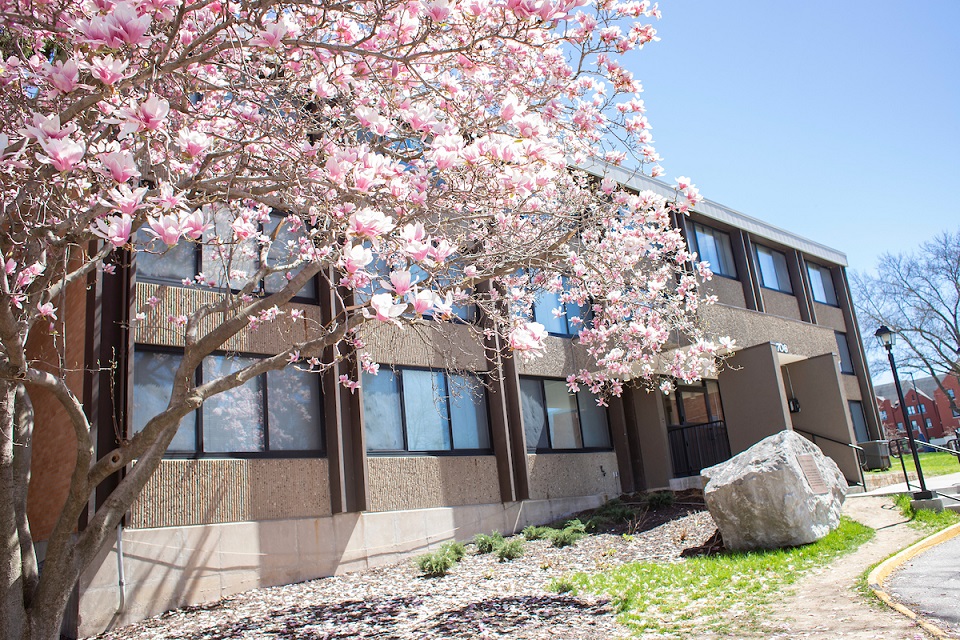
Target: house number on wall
781, 348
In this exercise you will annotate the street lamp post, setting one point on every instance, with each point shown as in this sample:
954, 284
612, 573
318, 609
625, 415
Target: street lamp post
888, 338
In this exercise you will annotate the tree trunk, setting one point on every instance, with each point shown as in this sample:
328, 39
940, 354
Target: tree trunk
12, 612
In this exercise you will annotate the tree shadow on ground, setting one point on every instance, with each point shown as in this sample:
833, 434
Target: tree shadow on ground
510, 614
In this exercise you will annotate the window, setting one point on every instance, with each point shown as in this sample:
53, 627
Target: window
186, 259
565, 324
951, 394
883, 415
424, 411
929, 423
899, 426
773, 269
713, 246
555, 419
843, 349
694, 404
859, 420
276, 412
913, 423
956, 413
911, 410
821, 283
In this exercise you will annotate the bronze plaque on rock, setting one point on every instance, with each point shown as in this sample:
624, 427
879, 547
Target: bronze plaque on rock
812, 473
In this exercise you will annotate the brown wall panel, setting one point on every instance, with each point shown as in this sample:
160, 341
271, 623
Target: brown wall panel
728, 291
209, 491
781, 304
562, 475
421, 482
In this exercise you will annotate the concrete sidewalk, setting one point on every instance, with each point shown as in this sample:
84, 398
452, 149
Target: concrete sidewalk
934, 483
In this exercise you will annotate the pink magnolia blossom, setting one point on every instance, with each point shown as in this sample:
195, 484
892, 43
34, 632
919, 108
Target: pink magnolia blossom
126, 200
422, 301
119, 165
271, 37
108, 70
62, 154
193, 143
243, 229
370, 223
147, 115
116, 231
194, 225
383, 308
167, 228
47, 310
527, 338
356, 258
125, 26
64, 76
399, 282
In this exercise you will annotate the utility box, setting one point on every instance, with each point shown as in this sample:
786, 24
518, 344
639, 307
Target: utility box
877, 454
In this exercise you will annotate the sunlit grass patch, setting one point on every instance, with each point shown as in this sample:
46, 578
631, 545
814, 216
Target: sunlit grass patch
934, 463
925, 518
711, 595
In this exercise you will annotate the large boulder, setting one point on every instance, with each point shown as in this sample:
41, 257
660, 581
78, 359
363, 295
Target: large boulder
781, 492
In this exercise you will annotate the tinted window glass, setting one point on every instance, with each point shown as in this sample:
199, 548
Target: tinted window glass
593, 420
285, 250
153, 374
232, 420
773, 269
713, 246
381, 412
425, 410
534, 414
859, 421
562, 416
821, 284
294, 411
468, 408
843, 349
157, 261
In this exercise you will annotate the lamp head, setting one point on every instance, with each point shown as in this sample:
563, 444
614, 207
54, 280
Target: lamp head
886, 336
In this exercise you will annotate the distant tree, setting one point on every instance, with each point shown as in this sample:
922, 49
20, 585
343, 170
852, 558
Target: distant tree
917, 295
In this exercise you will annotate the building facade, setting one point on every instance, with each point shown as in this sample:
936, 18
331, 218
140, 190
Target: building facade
293, 477
931, 410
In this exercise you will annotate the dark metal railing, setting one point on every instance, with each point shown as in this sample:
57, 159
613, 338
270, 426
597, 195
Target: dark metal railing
697, 446
900, 446
861, 454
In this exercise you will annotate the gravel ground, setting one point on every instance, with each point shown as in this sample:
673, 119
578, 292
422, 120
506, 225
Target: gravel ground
479, 598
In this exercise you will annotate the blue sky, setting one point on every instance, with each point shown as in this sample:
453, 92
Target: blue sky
837, 120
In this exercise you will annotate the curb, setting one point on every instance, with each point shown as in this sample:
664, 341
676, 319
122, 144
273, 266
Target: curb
883, 570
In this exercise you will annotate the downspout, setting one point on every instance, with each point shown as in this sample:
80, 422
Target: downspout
122, 583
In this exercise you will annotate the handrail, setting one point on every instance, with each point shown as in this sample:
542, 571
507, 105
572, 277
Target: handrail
899, 453
861, 454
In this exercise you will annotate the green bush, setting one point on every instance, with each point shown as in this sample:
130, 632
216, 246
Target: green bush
485, 543
509, 549
562, 585
613, 511
436, 564
659, 499
455, 550
566, 537
576, 525
537, 533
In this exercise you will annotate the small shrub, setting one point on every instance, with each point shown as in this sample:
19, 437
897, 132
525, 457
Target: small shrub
562, 585
485, 543
659, 499
566, 537
455, 550
509, 549
435, 565
613, 511
536, 533
576, 525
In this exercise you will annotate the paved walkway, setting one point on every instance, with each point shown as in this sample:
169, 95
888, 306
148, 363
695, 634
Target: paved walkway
936, 482
929, 584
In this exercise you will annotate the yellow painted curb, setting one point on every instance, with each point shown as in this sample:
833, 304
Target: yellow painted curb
883, 570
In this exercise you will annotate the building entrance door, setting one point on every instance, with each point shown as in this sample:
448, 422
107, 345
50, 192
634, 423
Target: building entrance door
695, 427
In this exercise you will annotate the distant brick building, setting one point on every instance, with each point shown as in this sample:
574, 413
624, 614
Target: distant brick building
930, 412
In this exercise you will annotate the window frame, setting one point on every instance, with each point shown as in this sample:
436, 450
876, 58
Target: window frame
715, 268
826, 275
842, 343
783, 278
197, 252
199, 452
546, 424
571, 332
406, 452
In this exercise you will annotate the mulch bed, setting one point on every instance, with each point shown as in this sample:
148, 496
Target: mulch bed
479, 598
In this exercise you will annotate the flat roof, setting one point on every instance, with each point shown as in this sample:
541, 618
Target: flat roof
716, 211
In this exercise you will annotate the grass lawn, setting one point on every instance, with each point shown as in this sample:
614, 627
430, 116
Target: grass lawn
936, 463
710, 595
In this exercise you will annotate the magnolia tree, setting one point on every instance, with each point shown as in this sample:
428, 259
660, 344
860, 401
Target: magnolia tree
415, 155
